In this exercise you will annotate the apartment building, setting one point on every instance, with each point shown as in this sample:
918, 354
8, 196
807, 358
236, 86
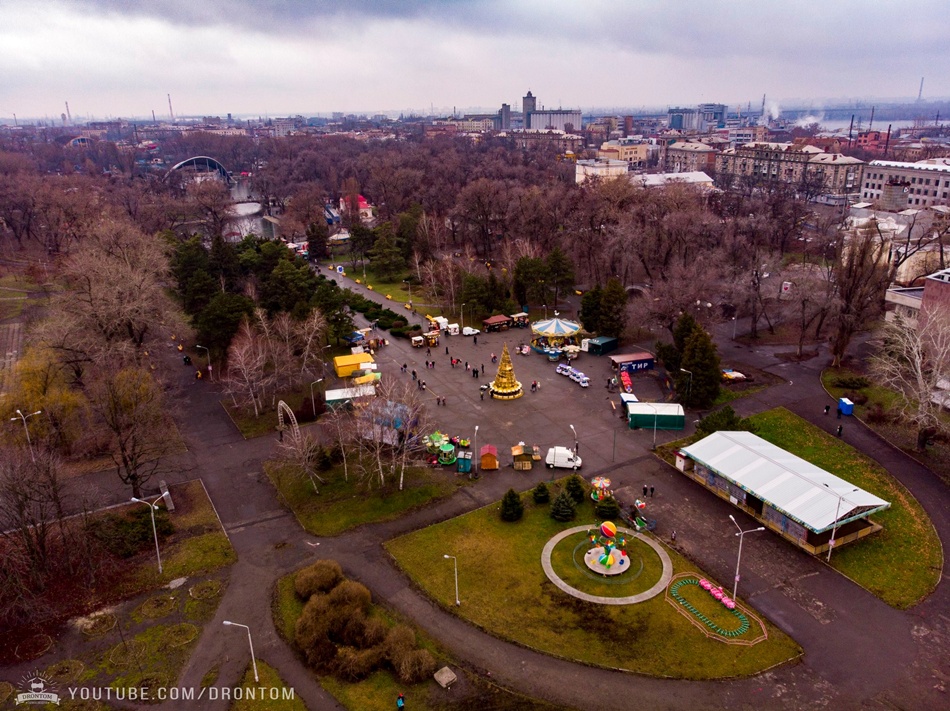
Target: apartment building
896, 185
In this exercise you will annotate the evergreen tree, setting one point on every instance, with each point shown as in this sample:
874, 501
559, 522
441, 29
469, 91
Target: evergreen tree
541, 494
529, 283
613, 309
576, 489
224, 263
590, 309
563, 509
607, 508
318, 241
511, 507
219, 321
671, 355
701, 359
386, 258
559, 272
724, 419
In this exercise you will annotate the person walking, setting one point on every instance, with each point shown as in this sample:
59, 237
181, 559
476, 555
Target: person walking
673, 536
827, 409
467, 366
644, 491
414, 375
475, 340
651, 491
428, 352
481, 394
483, 368
840, 428
446, 350
401, 701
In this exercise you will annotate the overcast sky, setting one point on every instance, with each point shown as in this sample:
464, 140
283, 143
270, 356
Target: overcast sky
280, 57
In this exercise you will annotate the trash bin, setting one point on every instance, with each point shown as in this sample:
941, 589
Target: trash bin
846, 406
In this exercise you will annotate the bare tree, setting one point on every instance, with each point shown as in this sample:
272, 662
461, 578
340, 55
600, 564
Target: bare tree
915, 360
247, 379
129, 404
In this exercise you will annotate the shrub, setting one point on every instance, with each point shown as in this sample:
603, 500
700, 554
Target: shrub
399, 639
325, 458
125, 535
576, 489
563, 509
374, 632
851, 382
541, 494
857, 398
414, 666
723, 419
356, 664
321, 577
351, 594
877, 415
511, 507
607, 508
398, 332
312, 624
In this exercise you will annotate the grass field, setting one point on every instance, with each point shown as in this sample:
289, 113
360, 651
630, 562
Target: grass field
342, 505
504, 590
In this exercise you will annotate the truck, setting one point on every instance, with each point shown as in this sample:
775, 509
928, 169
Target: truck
563, 458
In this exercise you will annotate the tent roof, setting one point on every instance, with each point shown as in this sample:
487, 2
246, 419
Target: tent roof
555, 327
817, 499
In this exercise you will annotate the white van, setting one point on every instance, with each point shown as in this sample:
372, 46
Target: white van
563, 458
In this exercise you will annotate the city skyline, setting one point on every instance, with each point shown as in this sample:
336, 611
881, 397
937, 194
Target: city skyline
116, 58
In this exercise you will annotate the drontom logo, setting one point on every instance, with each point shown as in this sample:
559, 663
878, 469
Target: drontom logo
37, 689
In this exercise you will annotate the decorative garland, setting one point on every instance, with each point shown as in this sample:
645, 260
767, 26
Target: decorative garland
674, 593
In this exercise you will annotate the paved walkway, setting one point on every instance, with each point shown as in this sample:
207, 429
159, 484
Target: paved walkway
665, 575
859, 652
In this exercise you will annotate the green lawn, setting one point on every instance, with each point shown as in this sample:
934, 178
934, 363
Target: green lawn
902, 563
251, 426
269, 682
343, 505
936, 458
504, 590
567, 559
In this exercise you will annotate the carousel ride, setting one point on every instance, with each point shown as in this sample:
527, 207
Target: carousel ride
608, 554
555, 337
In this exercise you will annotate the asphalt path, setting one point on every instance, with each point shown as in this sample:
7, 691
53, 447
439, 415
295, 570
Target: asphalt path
859, 653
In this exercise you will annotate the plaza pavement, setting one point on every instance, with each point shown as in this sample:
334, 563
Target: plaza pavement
859, 653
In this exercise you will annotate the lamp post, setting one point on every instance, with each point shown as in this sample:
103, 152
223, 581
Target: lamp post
655, 415
409, 288
575, 439
455, 563
249, 641
210, 371
152, 508
735, 322
545, 307
834, 529
741, 533
462, 315
689, 385
312, 402
27, 429
475, 449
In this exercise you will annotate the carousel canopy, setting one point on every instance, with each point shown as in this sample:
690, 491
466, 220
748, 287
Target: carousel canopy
555, 327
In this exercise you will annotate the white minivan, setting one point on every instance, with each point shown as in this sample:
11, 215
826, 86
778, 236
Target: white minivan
562, 457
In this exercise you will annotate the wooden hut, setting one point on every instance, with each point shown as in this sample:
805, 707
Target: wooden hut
522, 457
488, 457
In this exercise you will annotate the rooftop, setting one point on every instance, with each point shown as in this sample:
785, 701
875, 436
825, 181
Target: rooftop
813, 497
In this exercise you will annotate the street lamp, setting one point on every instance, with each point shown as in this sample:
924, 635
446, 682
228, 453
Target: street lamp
462, 315
455, 563
27, 429
249, 641
834, 529
689, 385
475, 448
152, 508
575, 439
735, 322
312, 402
741, 533
545, 307
655, 415
409, 288
210, 371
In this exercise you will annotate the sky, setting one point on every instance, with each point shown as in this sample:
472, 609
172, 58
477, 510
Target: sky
121, 58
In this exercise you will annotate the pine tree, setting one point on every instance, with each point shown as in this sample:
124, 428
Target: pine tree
563, 508
701, 360
511, 507
541, 493
576, 489
613, 309
590, 309
607, 508
559, 272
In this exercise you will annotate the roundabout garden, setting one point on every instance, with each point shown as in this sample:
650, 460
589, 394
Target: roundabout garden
504, 588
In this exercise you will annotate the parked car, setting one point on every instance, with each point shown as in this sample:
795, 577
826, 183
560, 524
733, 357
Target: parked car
469, 331
563, 458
